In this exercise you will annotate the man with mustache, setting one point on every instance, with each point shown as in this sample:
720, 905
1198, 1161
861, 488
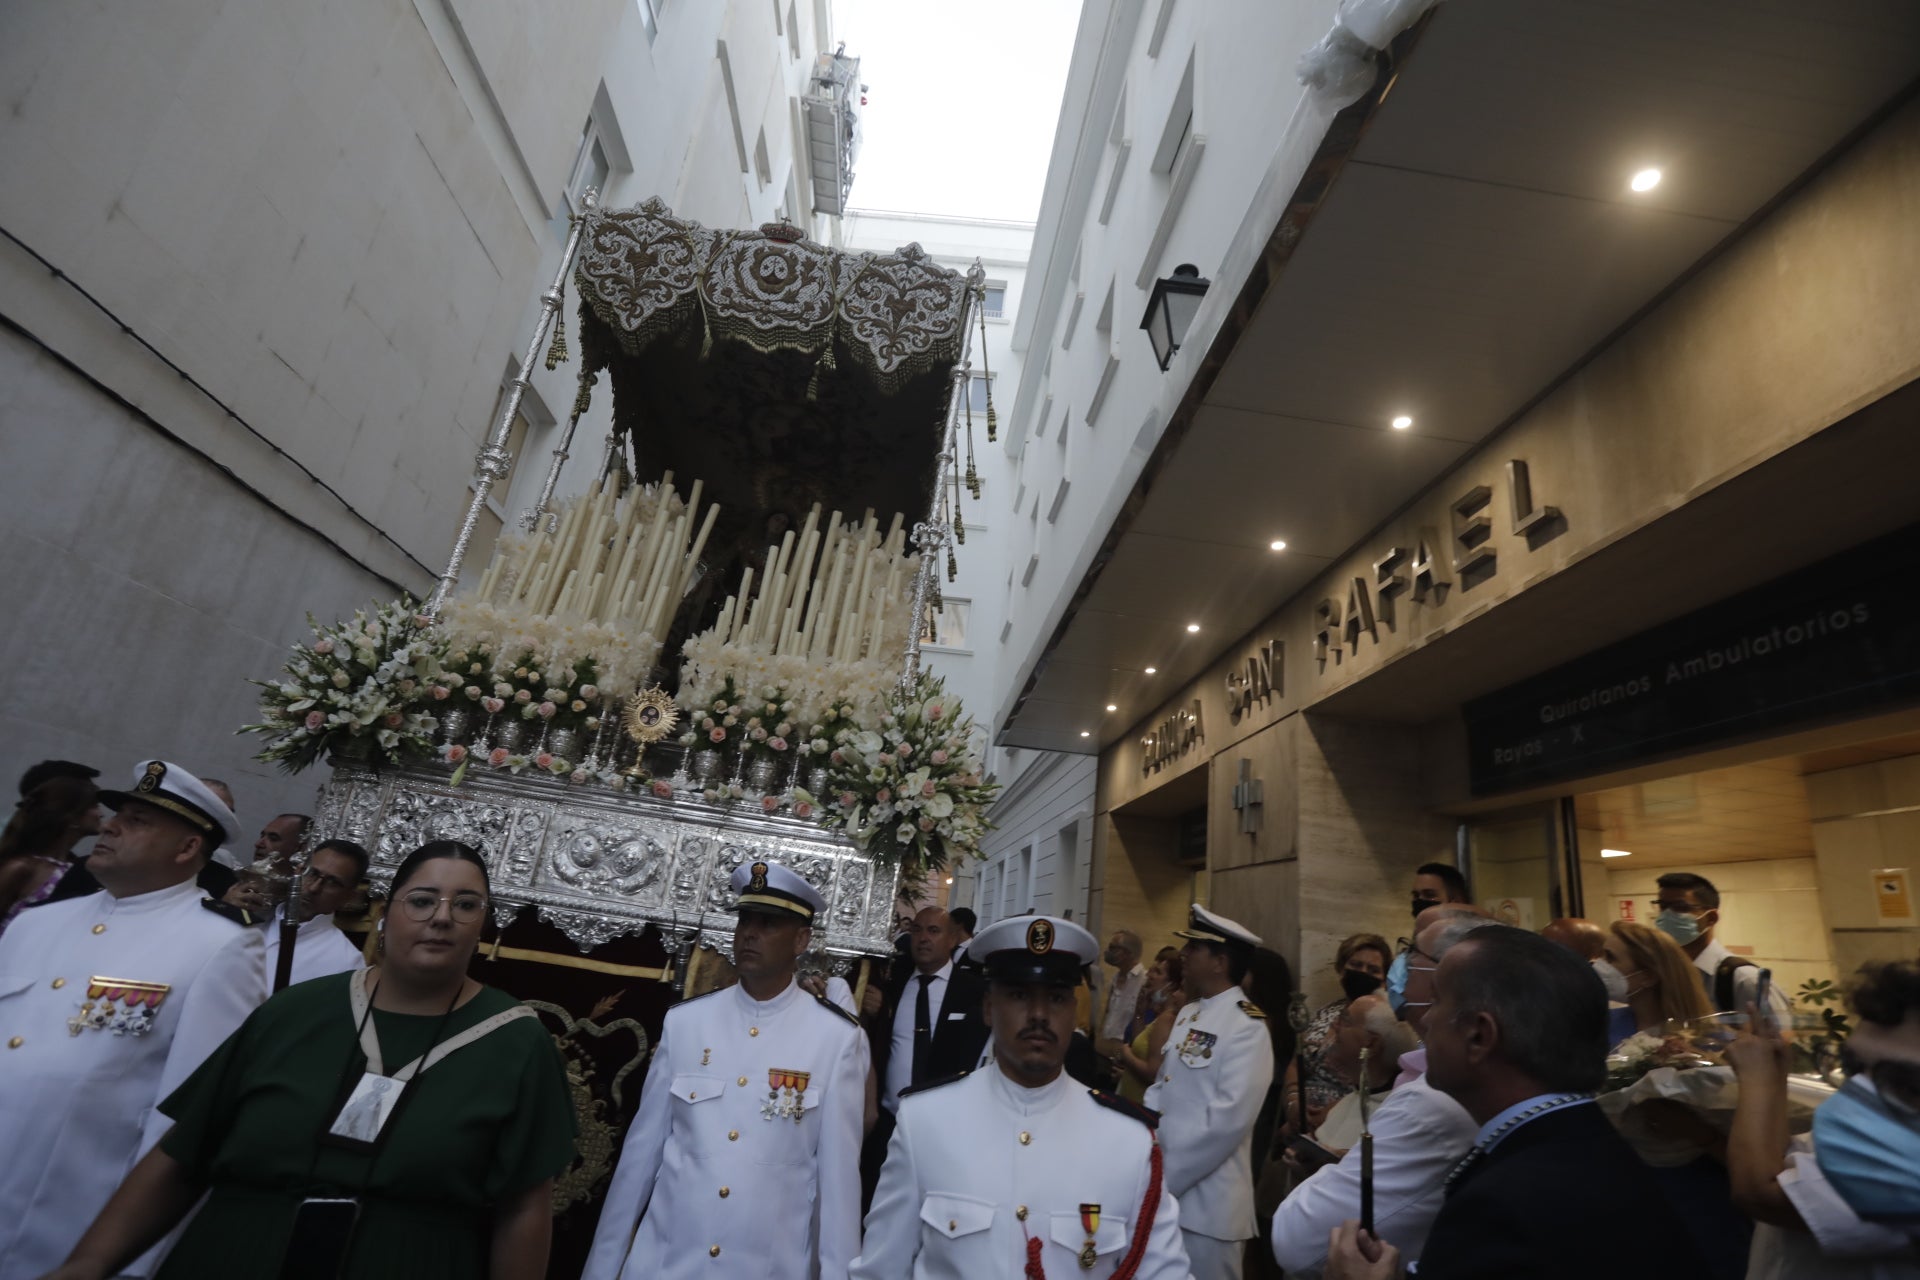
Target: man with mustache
1014, 1169
745, 1156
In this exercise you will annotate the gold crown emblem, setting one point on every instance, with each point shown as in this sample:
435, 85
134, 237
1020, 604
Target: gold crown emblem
758, 883
1040, 937
150, 781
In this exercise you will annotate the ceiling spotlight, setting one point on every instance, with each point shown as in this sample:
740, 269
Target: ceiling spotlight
1151, 670
1086, 733
1112, 707
1402, 422
1645, 180
1278, 544
1616, 853
1193, 628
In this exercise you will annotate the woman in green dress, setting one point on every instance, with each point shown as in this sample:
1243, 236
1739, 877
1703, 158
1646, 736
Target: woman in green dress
295, 1114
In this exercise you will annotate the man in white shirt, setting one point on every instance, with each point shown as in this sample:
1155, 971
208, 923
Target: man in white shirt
1123, 989
1689, 913
332, 877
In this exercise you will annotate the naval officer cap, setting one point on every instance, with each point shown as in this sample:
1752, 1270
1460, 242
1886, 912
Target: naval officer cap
770, 889
1210, 926
1034, 949
172, 789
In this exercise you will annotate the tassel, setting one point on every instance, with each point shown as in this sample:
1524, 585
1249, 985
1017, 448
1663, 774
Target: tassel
993, 424
584, 397
706, 334
973, 481
557, 349
953, 567
960, 532
824, 364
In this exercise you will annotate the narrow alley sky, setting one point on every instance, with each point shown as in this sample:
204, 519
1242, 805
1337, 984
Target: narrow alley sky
961, 104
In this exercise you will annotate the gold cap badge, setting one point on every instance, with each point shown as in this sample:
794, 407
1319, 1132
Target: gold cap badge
1040, 937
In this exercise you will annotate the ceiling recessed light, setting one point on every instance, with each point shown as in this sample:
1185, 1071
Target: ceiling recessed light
1151, 670
1645, 180
1192, 627
1402, 422
1616, 853
1086, 733
1278, 544
1112, 707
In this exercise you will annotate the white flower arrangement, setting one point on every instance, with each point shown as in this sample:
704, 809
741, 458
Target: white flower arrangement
362, 689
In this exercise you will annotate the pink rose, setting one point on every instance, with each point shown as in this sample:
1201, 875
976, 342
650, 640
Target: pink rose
323, 647
904, 750
494, 706
884, 760
522, 695
936, 711
837, 758
777, 744
939, 757
927, 790
717, 734
497, 757
441, 693
546, 710
393, 719
544, 760
847, 799
455, 753
769, 803
315, 719
926, 824
802, 809
662, 788
882, 796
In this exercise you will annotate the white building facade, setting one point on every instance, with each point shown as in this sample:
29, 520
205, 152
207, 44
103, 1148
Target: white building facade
266, 273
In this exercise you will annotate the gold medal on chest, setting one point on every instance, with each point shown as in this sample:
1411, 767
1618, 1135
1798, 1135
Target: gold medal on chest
786, 1095
1089, 1223
120, 1005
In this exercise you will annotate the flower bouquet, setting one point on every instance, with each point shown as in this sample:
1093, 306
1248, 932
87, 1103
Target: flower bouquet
364, 690
910, 790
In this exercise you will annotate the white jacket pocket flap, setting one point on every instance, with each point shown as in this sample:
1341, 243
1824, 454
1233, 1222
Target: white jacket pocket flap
1070, 1233
697, 1088
954, 1216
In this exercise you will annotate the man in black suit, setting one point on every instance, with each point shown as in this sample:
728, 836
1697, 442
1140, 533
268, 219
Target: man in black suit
930, 1025
1517, 1036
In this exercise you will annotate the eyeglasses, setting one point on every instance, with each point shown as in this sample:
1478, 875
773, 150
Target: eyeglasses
465, 908
314, 877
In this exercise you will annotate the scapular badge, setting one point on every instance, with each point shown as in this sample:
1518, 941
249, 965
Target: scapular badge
786, 1095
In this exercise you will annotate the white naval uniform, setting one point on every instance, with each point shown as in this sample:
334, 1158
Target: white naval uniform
717, 1186
1213, 1079
978, 1165
78, 1108
319, 949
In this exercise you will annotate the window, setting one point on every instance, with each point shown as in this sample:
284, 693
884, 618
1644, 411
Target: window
948, 628
793, 31
994, 300
650, 17
977, 394
762, 167
591, 168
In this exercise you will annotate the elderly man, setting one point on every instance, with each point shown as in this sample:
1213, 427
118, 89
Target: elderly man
1367, 1023
1419, 1134
108, 1002
1214, 1076
1014, 1169
1517, 1036
1123, 989
745, 1156
331, 879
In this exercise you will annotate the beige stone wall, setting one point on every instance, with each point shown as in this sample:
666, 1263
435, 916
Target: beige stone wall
1865, 818
1807, 318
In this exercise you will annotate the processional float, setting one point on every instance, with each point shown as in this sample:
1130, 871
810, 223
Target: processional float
809, 395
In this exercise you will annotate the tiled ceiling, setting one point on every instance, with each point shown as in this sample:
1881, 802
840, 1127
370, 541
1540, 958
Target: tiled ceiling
1477, 244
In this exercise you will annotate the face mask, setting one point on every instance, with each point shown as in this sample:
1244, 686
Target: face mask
1397, 982
1357, 984
1612, 979
1421, 904
1678, 925
1868, 1151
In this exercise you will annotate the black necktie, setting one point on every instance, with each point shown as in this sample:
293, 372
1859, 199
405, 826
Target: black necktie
922, 1030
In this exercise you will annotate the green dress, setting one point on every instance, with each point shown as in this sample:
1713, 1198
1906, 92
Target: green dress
478, 1127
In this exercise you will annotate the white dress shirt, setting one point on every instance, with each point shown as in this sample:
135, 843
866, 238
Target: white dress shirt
900, 1056
1746, 984
1837, 1244
717, 1179
1214, 1077
79, 1107
1419, 1134
319, 949
978, 1166
1123, 993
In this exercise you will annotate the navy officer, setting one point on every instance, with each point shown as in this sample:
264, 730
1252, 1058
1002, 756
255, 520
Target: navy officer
1015, 1169
109, 1001
749, 1120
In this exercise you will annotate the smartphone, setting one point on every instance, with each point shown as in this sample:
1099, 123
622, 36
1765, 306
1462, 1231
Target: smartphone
1763, 1003
317, 1245
1311, 1154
